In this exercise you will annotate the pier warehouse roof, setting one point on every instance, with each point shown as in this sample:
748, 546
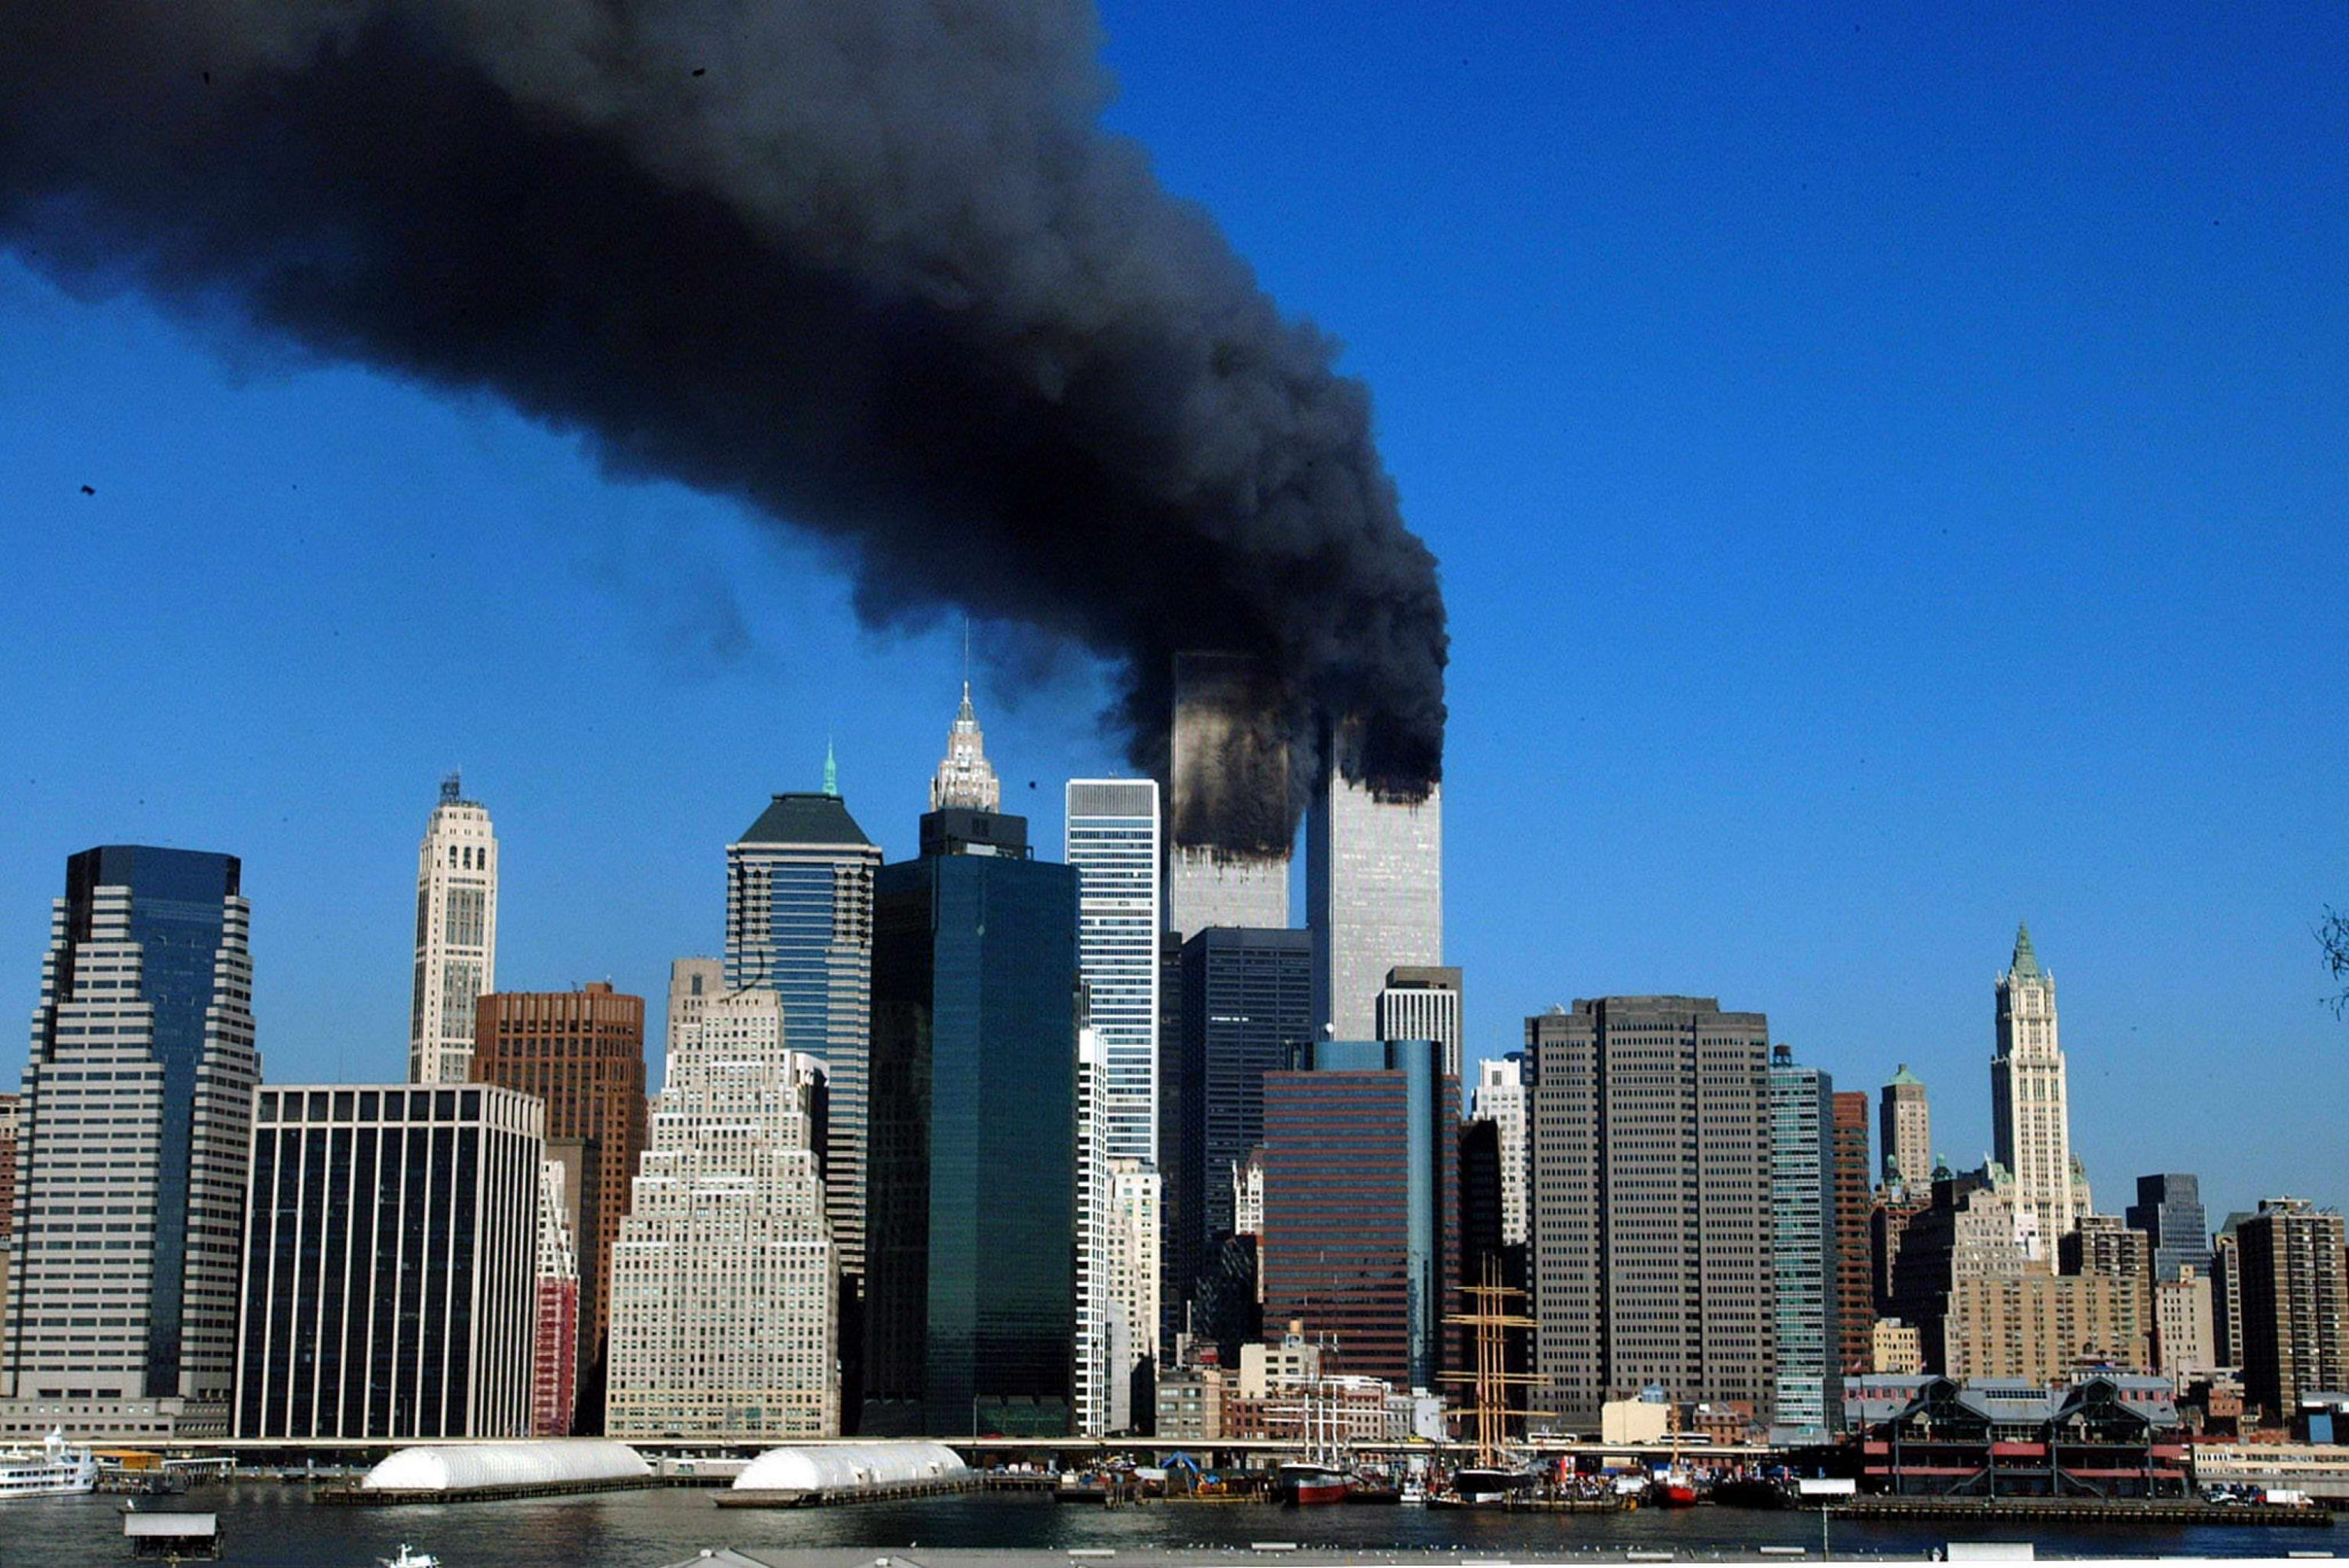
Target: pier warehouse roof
470, 1467
850, 1466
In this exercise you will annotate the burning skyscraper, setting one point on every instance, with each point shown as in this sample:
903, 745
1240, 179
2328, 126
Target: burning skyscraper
1229, 821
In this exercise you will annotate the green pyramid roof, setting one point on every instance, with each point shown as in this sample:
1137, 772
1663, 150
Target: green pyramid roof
804, 818
2027, 962
1903, 1079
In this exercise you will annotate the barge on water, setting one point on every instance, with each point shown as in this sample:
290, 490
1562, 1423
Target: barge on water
848, 1472
490, 1472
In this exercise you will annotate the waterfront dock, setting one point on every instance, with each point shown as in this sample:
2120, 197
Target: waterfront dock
2081, 1510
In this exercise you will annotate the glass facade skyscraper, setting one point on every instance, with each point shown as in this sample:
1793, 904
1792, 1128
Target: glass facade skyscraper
2169, 1209
1361, 1205
971, 1306
799, 921
1113, 843
1809, 1396
137, 1105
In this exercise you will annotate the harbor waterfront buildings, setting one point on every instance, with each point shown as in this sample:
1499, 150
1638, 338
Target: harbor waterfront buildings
456, 935
1651, 1150
392, 1248
725, 1287
136, 1123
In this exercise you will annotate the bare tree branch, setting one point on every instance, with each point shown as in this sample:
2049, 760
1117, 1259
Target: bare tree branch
2333, 936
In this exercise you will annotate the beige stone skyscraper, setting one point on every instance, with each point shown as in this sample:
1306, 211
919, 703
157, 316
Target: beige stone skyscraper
1907, 1129
456, 935
2030, 1117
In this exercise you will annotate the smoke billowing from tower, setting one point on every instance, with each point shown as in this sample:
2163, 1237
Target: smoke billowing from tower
872, 268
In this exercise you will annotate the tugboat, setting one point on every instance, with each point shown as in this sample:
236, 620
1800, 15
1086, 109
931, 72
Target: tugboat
410, 1558
1674, 1486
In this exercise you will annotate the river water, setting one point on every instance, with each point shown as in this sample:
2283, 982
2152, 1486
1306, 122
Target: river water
273, 1526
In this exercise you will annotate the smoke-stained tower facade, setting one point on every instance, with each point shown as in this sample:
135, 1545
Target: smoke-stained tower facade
799, 921
1374, 885
137, 1105
1230, 822
2030, 1117
456, 935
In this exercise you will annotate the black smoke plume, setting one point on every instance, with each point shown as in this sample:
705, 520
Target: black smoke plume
869, 265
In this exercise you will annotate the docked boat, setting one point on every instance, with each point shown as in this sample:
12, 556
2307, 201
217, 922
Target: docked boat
1673, 1487
1483, 1483
52, 1470
1308, 1483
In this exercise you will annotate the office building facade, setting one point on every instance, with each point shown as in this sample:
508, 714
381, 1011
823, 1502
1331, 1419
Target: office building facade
1808, 1399
1245, 1008
725, 1280
135, 1120
390, 1262
799, 921
1362, 1205
1421, 1002
1500, 1099
2294, 1284
970, 1299
1651, 1150
2169, 1209
1374, 887
582, 1053
1112, 828
456, 935
554, 1323
2030, 1114
1855, 1275
1908, 1130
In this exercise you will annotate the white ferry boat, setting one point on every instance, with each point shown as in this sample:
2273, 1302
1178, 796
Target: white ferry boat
52, 1470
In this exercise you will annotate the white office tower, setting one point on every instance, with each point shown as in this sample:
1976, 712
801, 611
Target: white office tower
1092, 1358
1248, 1195
965, 778
1112, 842
2031, 1120
1421, 1002
456, 936
1374, 887
135, 1136
725, 1304
1132, 1287
1500, 1099
1228, 813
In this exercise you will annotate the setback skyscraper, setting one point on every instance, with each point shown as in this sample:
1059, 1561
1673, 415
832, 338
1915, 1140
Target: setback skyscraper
456, 935
1112, 842
390, 1262
1374, 884
138, 1108
725, 1292
799, 921
1652, 1148
1421, 1002
2030, 1117
972, 1305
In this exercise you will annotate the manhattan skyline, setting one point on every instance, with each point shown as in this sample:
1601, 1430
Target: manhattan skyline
1882, 479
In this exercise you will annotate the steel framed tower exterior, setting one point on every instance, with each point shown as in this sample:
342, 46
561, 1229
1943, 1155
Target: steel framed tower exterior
138, 1106
1113, 841
1229, 769
1374, 887
456, 936
1808, 1402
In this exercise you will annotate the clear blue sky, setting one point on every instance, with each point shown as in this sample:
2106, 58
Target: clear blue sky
1890, 468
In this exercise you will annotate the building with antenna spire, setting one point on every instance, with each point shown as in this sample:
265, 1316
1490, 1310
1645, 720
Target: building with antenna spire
965, 779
